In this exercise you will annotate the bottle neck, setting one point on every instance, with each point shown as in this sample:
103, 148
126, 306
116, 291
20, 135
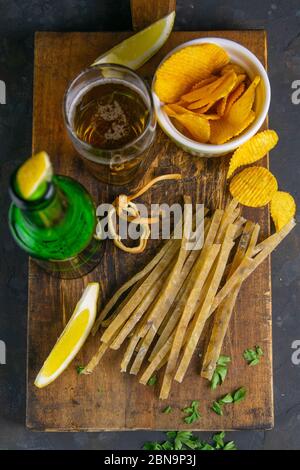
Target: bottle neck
45, 212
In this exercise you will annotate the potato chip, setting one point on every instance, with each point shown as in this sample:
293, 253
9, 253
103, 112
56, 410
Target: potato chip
204, 91
224, 105
174, 108
204, 81
204, 109
233, 96
210, 117
254, 186
222, 90
221, 130
233, 68
283, 209
197, 126
183, 68
221, 106
241, 108
252, 150
240, 79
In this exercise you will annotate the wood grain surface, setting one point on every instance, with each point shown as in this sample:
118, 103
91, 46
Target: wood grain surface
107, 399
145, 12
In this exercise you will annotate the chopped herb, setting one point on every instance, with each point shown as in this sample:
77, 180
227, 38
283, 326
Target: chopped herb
234, 397
226, 399
167, 446
80, 369
229, 446
193, 413
219, 440
185, 440
168, 410
152, 381
252, 356
220, 372
206, 446
216, 407
152, 446
239, 395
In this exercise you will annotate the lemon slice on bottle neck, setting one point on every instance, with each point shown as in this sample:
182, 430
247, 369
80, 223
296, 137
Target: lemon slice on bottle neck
72, 338
137, 49
33, 176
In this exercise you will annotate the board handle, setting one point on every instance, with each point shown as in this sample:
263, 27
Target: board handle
145, 12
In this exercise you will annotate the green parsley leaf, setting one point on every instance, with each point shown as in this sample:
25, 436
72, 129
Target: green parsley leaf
220, 372
171, 434
226, 399
219, 440
193, 412
239, 395
252, 356
152, 381
229, 446
168, 410
217, 408
184, 440
80, 369
207, 446
167, 445
152, 446
215, 381
223, 360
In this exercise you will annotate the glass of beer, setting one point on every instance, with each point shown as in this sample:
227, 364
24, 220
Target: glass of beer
110, 118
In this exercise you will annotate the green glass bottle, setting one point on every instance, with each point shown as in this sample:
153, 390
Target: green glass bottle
58, 228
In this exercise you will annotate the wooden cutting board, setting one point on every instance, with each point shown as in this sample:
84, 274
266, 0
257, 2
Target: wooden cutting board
107, 399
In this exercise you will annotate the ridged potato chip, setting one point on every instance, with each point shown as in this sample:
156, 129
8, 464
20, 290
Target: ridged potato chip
234, 68
174, 108
204, 109
221, 106
197, 126
240, 79
222, 130
283, 209
203, 90
233, 96
189, 65
210, 117
204, 81
241, 108
224, 105
219, 92
253, 150
254, 186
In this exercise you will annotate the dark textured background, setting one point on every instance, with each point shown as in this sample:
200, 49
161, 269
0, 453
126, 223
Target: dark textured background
19, 20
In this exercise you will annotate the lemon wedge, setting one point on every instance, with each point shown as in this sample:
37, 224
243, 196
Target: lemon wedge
72, 338
35, 172
137, 49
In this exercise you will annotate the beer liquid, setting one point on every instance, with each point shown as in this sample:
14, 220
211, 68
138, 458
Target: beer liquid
110, 115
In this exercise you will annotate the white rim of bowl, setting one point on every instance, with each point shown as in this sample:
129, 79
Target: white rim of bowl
233, 144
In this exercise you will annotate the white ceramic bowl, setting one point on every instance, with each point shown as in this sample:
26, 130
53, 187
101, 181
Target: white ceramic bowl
241, 56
